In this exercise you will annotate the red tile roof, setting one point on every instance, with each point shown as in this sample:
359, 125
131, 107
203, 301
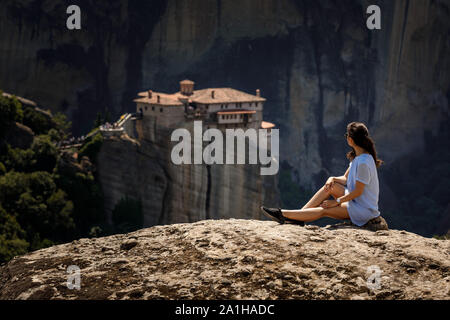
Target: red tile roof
204, 96
164, 99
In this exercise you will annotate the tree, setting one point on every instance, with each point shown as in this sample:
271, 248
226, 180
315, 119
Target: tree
45, 153
62, 125
10, 111
18, 159
92, 147
37, 121
11, 237
40, 208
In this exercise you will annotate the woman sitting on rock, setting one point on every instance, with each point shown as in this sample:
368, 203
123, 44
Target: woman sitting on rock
358, 201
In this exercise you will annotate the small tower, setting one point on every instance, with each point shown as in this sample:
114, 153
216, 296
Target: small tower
187, 87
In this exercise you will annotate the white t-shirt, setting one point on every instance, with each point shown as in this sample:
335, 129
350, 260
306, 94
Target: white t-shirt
365, 207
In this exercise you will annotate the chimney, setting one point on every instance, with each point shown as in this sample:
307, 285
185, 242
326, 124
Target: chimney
258, 93
187, 87
157, 98
149, 94
212, 94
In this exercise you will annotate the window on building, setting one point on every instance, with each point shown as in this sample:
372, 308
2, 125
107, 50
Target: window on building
206, 107
145, 108
160, 110
153, 108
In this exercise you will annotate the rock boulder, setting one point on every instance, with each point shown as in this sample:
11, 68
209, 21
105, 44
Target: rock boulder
237, 259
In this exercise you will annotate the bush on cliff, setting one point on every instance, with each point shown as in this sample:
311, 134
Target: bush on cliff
87, 196
40, 208
17, 159
36, 121
45, 153
41, 203
10, 111
62, 125
12, 241
92, 148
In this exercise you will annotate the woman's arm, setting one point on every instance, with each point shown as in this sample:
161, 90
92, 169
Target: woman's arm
359, 189
341, 180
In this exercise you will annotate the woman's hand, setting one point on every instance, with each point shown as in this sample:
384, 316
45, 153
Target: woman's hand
329, 204
329, 183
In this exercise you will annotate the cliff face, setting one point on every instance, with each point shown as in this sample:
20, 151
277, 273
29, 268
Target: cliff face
237, 259
142, 169
315, 61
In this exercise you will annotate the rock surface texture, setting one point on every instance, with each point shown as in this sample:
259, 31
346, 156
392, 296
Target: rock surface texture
237, 259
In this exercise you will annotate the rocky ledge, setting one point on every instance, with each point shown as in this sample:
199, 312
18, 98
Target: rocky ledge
237, 259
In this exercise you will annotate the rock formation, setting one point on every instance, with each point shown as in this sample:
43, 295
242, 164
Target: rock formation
142, 170
237, 259
315, 61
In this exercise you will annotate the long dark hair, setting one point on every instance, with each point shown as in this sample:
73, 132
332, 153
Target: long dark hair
360, 135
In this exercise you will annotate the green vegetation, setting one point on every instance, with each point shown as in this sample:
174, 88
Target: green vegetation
86, 194
44, 198
62, 126
40, 208
39, 122
92, 148
10, 111
444, 237
12, 241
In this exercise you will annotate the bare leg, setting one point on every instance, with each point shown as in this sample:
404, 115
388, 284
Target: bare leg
312, 214
317, 199
336, 191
